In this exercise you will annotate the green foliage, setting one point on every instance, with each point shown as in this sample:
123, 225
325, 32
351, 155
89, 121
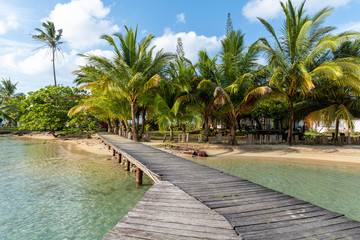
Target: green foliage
272, 107
47, 108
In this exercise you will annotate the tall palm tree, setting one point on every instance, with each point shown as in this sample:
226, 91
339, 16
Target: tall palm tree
133, 69
51, 38
292, 58
237, 71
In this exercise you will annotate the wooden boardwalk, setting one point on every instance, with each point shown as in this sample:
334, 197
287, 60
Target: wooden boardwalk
166, 212
254, 211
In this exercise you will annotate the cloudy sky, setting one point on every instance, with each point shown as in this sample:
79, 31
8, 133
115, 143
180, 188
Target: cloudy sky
201, 25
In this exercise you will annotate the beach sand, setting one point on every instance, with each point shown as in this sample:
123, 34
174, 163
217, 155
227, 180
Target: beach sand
342, 154
92, 145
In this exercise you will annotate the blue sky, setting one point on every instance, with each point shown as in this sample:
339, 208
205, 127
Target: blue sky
201, 24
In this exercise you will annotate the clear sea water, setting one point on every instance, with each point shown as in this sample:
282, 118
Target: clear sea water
334, 186
55, 191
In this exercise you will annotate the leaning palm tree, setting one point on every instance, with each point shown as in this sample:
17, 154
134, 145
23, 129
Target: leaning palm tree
292, 59
51, 38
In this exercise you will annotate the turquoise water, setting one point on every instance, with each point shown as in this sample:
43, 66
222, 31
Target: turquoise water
333, 186
54, 191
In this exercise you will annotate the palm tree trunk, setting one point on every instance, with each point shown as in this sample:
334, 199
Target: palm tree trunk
109, 125
291, 123
183, 129
206, 127
133, 118
143, 122
53, 63
171, 132
232, 140
337, 124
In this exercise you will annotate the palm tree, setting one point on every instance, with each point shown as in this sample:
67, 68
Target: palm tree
51, 38
132, 71
167, 106
237, 72
342, 96
7, 91
292, 59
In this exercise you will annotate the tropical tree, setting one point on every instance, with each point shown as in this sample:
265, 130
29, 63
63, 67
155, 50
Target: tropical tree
237, 74
342, 96
167, 106
293, 56
51, 38
132, 71
7, 92
48, 107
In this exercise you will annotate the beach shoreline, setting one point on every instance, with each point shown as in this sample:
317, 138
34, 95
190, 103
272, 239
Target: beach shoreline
347, 154
92, 145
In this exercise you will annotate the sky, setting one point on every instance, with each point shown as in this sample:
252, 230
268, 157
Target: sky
201, 25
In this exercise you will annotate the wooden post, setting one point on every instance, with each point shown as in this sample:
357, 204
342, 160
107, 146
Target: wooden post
187, 137
200, 138
218, 138
114, 152
139, 176
119, 157
109, 147
127, 165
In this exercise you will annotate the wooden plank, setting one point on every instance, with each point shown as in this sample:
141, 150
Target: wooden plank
217, 231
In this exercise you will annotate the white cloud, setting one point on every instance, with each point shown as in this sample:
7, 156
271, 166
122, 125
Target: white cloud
80, 61
10, 22
180, 18
352, 26
269, 9
192, 43
83, 22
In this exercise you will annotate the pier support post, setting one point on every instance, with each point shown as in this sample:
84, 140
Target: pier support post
119, 157
127, 165
139, 176
114, 152
109, 147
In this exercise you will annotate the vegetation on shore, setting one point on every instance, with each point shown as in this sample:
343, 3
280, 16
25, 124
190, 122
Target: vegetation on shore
310, 73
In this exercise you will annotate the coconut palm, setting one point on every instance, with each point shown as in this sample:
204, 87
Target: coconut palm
292, 58
342, 96
132, 71
51, 38
237, 72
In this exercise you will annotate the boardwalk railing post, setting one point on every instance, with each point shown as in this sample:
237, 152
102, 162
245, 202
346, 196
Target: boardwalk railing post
119, 157
109, 147
114, 152
127, 165
139, 176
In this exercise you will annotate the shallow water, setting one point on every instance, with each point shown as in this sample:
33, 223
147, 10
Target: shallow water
334, 186
55, 191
